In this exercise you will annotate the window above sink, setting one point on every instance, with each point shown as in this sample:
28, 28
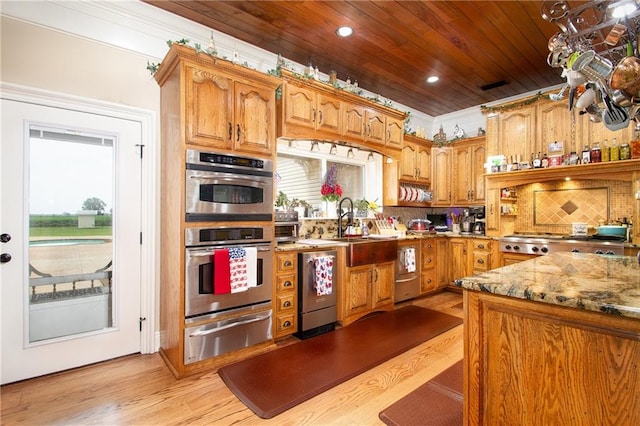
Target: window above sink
300, 171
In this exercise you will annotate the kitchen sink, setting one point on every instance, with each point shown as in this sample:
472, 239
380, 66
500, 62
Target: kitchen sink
365, 251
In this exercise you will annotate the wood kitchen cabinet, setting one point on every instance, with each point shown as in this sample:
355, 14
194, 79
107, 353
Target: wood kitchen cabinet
226, 109
311, 113
459, 258
368, 288
441, 176
285, 294
428, 269
314, 109
512, 133
212, 105
469, 158
415, 160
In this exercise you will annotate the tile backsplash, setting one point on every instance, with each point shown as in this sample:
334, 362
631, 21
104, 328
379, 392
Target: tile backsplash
552, 207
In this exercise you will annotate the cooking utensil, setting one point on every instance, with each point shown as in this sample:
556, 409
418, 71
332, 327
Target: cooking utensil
560, 94
419, 224
612, 230
626, 76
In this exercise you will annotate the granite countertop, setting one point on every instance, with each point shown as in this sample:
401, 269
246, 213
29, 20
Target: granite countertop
607, 284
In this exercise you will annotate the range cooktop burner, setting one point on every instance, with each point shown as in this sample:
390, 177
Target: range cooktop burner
541, 244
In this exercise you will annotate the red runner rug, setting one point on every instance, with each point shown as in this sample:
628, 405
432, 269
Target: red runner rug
275, 381
436, 403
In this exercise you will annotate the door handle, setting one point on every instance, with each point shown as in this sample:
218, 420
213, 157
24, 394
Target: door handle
5, 257
225, 327
5, 238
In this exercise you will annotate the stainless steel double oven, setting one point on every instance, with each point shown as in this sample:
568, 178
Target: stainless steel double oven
229, 200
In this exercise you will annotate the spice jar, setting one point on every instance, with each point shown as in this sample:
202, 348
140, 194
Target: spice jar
625, 152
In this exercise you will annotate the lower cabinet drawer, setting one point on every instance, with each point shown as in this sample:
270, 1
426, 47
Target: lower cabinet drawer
285, 324
481, 262
286, 303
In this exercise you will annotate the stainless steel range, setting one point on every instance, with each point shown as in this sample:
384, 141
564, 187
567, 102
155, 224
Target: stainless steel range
546, 244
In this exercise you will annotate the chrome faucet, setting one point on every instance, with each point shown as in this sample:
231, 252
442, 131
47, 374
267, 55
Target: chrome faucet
349, 215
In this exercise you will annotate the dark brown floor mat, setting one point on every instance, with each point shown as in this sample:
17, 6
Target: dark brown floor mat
436, 403
273, 382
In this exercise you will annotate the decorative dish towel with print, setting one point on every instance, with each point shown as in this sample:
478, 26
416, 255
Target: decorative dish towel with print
238, 269
252, 266
410, 259
221, 277
323, 275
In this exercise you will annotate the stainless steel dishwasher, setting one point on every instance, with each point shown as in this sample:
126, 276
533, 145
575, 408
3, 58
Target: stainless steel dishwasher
407, 271
317, 311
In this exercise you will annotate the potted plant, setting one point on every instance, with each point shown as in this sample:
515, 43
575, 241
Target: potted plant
282, 202
361, 206
301, 206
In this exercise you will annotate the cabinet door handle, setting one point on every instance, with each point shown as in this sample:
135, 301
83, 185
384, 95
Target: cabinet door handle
313, 115
287, 284
491, 208
428, 260
287, 304
320, 118
230, 131
480, 246
288, 263
287, 324
429, 246
480, 261
429, 281
238, 133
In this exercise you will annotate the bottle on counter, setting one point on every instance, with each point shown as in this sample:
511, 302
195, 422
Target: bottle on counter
544, 163
573, 158
615, 150
537, 162
596, 154
604, 151
586, 155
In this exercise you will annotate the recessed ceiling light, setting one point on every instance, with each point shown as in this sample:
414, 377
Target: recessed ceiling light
344, 31
432, 79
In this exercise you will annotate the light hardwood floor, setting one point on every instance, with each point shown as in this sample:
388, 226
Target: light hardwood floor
140, 390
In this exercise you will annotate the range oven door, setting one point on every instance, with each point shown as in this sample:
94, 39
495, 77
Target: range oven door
200, 296
218, 191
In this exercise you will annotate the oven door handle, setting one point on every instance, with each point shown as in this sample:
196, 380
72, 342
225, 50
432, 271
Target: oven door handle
228, 326
251, 178
210, 252
413, 277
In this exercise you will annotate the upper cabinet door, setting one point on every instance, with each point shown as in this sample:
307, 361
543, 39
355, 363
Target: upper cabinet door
255, 128
376, 130
328, 114
353, 120
554, 124
299, 106
395, 133
517, 133
209, 108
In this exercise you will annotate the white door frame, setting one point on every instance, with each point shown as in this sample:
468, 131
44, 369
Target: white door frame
149, 339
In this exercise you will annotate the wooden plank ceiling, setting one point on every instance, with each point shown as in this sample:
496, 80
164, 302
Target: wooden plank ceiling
398, 44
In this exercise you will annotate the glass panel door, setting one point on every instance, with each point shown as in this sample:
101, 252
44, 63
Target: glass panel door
70, 233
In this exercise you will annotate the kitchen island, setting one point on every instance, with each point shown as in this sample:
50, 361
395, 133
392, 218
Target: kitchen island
553, 340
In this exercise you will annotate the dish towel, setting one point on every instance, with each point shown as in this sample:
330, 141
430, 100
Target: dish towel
221, 276
410, 259
252, 266
323, 275
238, 269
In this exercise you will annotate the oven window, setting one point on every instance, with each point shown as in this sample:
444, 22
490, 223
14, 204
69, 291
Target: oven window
206, 274
231, 194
